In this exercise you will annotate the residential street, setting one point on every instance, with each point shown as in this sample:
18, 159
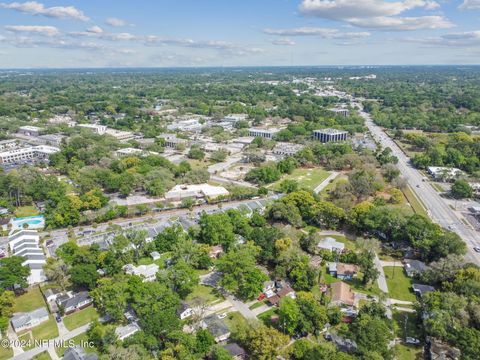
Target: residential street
437, 208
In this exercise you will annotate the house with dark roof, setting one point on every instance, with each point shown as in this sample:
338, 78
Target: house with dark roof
78, 353
342, 271
414, 267
216, 327
26, 321
71, 302
345, 345
421, 290
235, 351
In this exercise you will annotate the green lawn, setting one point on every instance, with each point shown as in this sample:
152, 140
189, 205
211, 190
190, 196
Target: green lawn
24, 211
46, 331
234, 319
414, 329
29, 301
408, 352
399, 285
355, 284
43, 356
306, 178
266, 317
80, 318
5, 353
417, 206
207, 293
258, 304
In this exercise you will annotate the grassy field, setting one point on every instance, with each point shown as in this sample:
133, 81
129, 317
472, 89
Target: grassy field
234, 319
399, 285
47, 330
29, 301
5, 353
306, 178
413, 328
258, 304
266, 317
408, 352
417, 206
24, 211
355, 284
80, 318
207, 293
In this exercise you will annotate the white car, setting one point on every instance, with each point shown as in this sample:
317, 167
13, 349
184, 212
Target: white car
411, 340
222, 316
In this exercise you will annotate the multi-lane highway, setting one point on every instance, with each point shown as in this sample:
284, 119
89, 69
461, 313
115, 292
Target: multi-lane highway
437, 208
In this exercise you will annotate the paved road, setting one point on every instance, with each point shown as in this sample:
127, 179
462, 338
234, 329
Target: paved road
27, 355
325, 182
437, 208
242, 308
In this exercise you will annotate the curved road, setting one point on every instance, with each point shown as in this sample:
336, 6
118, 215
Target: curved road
439, 210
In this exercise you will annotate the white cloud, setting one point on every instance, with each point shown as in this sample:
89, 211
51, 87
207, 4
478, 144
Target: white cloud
326, 33
470, 5
376, 14
35, 8
457, 39
284, 42
95, 30
34, 29
116, 22
403, 23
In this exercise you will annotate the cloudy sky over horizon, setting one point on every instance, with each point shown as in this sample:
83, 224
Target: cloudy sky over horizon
151, 33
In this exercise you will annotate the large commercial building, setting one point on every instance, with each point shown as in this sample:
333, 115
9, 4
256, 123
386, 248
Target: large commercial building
180, 192
30, 130
330, 135
25, 243
264, 133
28, 153
99, 129
340, 111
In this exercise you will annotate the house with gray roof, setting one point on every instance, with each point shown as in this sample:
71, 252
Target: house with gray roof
71, 302
78, 353
26, 321
216, 327
414, 267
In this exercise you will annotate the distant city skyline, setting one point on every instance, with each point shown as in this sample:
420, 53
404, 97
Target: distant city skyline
193, 33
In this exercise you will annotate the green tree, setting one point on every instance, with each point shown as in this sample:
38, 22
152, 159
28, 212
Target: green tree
461, 189
12, 272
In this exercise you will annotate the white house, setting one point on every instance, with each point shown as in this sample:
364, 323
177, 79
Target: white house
185, 311
148, 272
25, 321
331, 244
126, 331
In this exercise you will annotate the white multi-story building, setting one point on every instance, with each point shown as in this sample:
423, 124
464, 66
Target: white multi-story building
340, 111
8, 144
33, 152
99, 129
25, 243
234, 118
172, 141
120, 135
30, 130
264, 133
330, 135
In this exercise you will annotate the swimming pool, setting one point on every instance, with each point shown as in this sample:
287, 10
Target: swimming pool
32, 222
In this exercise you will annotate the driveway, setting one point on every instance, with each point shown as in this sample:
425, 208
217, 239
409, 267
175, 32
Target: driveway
242, 308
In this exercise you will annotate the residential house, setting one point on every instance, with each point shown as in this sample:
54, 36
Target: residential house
184, 311
269, 288
235, 351
421, 290
78, 353
71, 302
148, 272
126, 331
217, 327
342, 271
331, 245
341, 294
414, 267
286, 290
345, 345
26, 321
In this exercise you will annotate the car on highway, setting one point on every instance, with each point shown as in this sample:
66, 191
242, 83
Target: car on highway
477, 249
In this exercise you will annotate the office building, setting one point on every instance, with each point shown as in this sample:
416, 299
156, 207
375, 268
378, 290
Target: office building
330, 135
40, 152
264, 133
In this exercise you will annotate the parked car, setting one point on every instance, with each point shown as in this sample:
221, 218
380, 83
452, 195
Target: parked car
477, 249
411, 340
58, 318
222, 316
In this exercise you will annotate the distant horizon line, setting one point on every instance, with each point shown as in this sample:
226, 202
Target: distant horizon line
234, 67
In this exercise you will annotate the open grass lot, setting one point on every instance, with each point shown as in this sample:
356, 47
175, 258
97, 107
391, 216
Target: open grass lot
45, 331
399, 285
80, 318
355, 284
408, 352
43, 356
266, 317
147, 260
417, 206
410, 319
29, 301
234, 319
306, 178
5, 353
24, 211
258, 304
207, 293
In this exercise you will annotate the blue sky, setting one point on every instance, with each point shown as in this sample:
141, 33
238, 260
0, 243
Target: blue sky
123, 33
